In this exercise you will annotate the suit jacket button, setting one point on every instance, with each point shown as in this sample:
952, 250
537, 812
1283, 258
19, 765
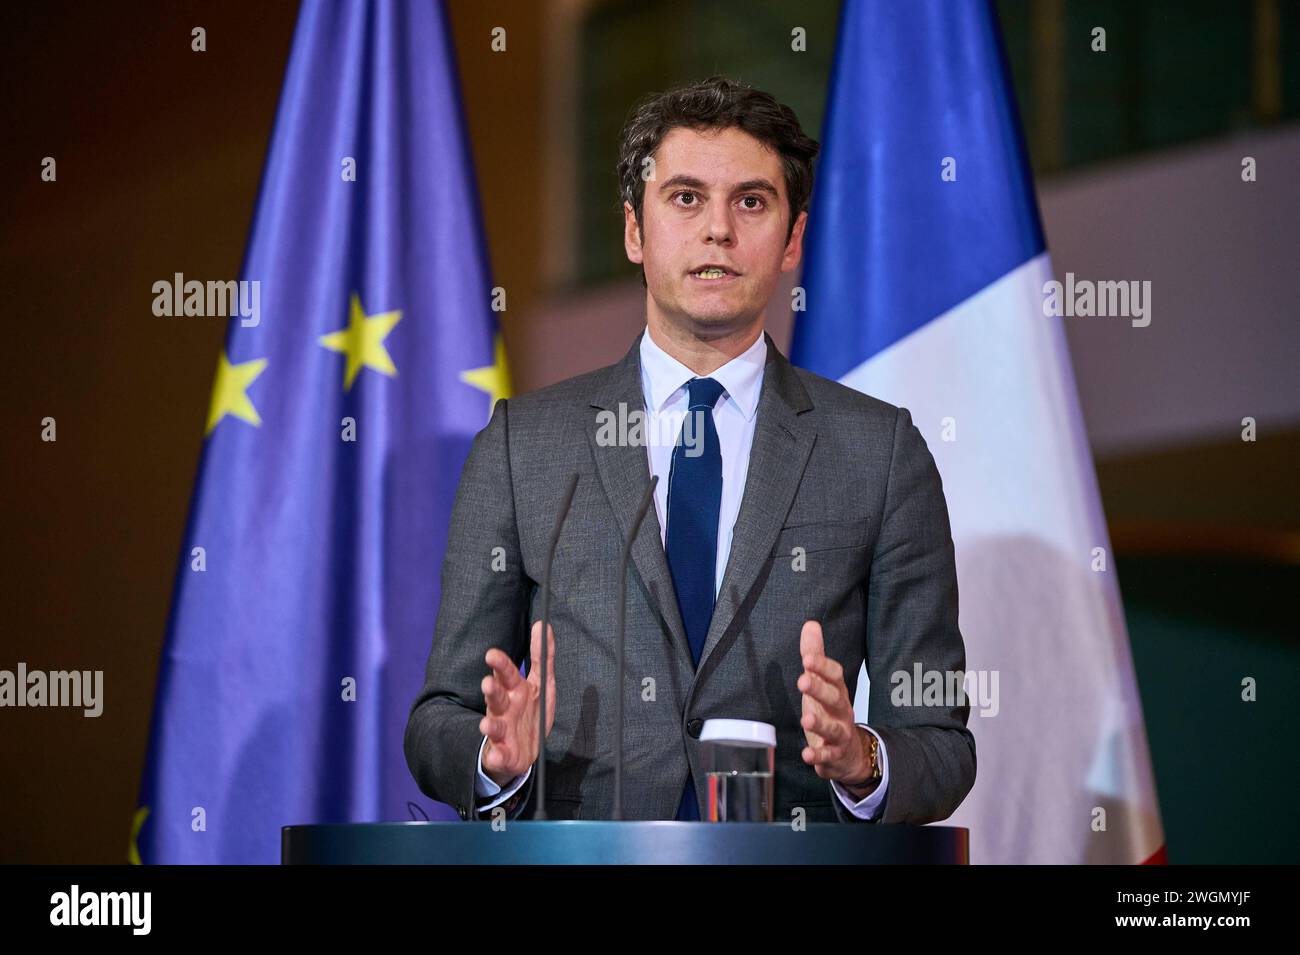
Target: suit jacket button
694, 727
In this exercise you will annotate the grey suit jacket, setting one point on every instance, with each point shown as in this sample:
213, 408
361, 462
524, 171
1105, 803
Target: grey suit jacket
844, 476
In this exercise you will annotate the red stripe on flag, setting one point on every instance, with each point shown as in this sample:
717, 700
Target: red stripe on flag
1159, 857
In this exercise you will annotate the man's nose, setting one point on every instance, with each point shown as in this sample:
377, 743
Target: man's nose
719, 227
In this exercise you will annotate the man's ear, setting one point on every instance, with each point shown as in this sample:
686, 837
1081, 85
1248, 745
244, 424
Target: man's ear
794, 248
631, 235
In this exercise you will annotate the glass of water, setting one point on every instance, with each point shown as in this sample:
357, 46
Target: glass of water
739, 759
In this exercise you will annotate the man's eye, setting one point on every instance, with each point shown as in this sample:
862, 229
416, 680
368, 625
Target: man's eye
685, 193
761, 202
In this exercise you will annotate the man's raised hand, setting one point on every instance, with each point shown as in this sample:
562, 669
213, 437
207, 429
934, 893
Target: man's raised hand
835, 747
511, 721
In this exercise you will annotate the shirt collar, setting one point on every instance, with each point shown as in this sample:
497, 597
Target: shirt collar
662, 375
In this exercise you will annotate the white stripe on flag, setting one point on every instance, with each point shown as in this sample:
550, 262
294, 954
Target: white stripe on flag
1066, 737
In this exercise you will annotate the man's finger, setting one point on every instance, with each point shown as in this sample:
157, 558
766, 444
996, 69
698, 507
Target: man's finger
493, 697
503, 668
826, 758
824, 725
810, 639
819, 758
534, 669
493, 728
810, 708
821, 690
824, 666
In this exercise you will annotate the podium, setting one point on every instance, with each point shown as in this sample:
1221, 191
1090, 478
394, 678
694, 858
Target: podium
594, 842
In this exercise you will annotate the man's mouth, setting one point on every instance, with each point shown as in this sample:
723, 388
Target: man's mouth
713, 273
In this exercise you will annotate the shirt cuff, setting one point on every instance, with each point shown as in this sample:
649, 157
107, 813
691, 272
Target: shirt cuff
485, 786
867, 807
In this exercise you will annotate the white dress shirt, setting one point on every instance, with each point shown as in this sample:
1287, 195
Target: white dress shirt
663, 387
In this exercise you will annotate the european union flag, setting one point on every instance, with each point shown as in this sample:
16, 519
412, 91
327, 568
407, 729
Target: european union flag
307, 588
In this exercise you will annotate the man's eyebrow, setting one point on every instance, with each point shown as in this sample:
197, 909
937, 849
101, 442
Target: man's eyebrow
682, 180
749, 185
757, 185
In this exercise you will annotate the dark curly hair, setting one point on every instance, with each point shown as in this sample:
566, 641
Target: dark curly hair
716, 103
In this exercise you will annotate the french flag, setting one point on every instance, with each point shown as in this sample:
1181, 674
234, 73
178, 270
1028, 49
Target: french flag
924, 286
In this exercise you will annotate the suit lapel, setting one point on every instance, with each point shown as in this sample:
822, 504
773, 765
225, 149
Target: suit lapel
624, 471
782, 442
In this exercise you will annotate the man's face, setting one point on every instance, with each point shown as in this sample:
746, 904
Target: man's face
718, 197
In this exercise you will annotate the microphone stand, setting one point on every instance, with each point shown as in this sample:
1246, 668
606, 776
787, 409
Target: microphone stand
622, 627
546, 610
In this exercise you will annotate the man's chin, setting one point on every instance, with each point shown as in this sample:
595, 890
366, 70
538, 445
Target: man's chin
709, 326
717, 318
708, 319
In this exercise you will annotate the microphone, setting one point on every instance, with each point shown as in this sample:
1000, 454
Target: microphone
546, 610
622, 626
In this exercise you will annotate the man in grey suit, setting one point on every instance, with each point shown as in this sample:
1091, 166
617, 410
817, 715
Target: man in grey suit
799, 530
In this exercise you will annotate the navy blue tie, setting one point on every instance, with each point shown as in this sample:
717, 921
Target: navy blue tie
691, 539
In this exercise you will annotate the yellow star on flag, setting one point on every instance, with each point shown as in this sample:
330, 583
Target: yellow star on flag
363, 342
137, 822
229, 391
493, 378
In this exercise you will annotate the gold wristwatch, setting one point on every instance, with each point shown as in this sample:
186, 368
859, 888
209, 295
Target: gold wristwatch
874, 779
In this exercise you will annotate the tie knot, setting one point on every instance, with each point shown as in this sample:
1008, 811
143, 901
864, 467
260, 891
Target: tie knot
703, 391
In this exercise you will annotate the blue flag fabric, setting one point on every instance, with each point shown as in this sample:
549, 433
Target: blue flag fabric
914, 84
307, 590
